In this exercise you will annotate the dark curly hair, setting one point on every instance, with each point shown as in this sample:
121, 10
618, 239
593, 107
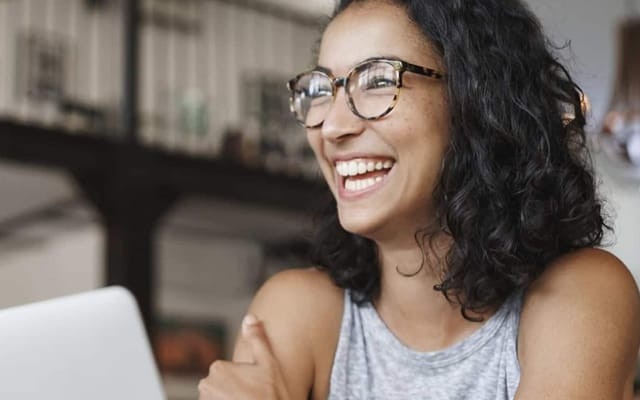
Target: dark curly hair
517, 188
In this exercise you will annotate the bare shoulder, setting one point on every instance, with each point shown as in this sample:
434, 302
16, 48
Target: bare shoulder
301, 310
579, 329
309, 293
588, 278
586, 265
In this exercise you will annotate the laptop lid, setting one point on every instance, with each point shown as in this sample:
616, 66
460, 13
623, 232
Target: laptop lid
86, 346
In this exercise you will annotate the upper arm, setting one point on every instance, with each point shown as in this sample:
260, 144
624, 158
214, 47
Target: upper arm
287, 304
579, 329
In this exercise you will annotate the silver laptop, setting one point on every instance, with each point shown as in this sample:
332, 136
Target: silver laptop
85, 346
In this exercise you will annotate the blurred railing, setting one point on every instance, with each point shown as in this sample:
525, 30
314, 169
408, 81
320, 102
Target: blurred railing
211, 74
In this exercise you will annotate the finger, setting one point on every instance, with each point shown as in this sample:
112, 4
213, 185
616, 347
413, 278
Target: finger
254, 333
227, 380
230, 380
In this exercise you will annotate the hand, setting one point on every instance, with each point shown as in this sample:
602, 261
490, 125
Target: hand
258, 380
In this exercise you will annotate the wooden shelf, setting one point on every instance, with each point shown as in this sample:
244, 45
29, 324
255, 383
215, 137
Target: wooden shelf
94, 156
46, 147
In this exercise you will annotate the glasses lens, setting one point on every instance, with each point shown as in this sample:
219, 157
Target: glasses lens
373, 88
312, 98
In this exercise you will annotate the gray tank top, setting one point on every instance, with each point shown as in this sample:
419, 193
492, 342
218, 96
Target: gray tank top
371, 363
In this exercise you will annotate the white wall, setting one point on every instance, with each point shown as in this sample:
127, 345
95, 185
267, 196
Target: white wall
44, 265
24, 189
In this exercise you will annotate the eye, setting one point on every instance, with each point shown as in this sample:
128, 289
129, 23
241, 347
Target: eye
380, 82
376, 76
319, 91
320, 100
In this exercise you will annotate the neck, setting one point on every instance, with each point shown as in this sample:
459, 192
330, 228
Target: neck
412, 296
422, 317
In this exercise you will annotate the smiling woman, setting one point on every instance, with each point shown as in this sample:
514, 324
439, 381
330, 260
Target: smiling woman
406, 128
456, 258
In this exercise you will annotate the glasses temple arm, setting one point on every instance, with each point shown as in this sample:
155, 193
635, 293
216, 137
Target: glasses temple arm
423, 71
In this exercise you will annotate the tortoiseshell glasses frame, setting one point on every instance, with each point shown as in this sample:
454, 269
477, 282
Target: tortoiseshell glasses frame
303, 84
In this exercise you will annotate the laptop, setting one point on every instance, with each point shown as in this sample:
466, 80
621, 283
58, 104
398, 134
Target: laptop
86, 346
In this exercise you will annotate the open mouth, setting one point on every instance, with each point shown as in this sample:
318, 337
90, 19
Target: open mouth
361, 174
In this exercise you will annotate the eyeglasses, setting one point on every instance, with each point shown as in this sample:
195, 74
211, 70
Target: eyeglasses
372, 88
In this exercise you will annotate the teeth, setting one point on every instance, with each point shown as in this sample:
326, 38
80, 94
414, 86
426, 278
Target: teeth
371, 166
362, 168
355, 185
353, 168
343, 169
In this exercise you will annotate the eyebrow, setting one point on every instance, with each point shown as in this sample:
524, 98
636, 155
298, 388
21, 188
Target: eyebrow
388, 57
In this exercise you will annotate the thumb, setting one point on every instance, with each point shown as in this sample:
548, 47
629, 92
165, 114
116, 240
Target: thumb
254, 333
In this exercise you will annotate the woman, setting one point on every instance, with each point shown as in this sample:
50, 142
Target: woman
457, 258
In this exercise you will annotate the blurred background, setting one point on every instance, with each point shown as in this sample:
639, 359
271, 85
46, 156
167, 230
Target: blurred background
148, 143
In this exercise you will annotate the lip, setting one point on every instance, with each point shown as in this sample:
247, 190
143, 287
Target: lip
353, 156
348, 195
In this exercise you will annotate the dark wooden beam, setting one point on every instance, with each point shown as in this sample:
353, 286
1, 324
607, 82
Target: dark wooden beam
235, 182
80, 153
130, 209
51, 147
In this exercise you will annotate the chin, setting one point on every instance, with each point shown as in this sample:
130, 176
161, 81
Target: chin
360, 223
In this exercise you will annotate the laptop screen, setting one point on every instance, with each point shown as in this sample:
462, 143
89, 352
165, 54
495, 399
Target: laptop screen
86, 346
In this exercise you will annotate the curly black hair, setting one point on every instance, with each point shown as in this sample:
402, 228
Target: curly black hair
517, 188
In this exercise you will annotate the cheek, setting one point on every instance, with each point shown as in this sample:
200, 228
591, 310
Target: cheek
315, 142
430, 126
422, 137
313, 139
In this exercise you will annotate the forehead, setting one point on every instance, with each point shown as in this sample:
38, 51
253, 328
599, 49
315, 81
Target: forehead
372, 29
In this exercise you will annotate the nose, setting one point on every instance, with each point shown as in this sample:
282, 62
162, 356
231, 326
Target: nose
340, 121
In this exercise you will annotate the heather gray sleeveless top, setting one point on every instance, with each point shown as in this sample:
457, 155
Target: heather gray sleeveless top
371, 363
